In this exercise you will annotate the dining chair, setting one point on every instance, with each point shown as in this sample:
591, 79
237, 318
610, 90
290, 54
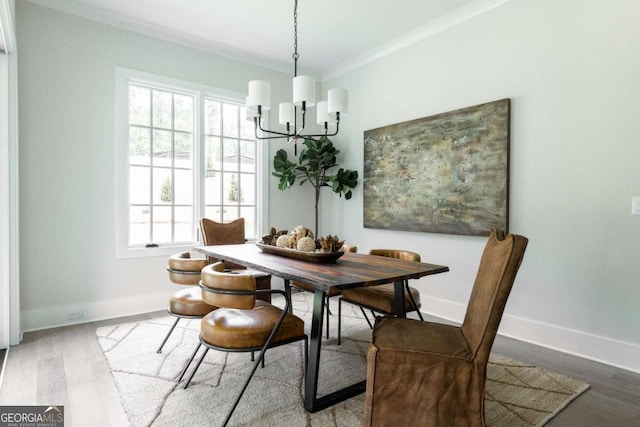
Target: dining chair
381, 298
432, 374
243, 323
332, 292
187, 303
231, 233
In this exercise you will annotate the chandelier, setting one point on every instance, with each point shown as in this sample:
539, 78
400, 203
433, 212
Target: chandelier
304, 97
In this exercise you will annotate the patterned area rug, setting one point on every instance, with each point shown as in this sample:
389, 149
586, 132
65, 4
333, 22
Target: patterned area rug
517, 394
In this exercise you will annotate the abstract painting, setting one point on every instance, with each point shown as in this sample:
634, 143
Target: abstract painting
447, 173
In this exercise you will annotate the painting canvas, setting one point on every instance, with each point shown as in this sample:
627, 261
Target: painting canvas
447, 173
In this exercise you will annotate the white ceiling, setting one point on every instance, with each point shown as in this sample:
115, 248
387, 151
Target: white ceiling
332, 34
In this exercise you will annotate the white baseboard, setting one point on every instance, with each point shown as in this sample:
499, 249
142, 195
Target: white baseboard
605, 350
52, 317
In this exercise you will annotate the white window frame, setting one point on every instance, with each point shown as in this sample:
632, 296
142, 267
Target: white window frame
124, 76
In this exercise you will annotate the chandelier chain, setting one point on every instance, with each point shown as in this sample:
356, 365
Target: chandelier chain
295, 55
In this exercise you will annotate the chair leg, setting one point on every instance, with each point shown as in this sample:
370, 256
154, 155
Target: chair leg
287, 289
196, 368
326, 299
253, 371
184, 371
413, 301
167, 337
339, 320
366, 317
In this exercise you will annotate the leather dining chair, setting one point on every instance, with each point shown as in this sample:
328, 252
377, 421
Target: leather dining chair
333, 292
187, 303
432, 374
231, 233
243, 323
381, 298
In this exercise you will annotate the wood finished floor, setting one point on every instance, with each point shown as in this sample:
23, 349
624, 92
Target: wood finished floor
65, 366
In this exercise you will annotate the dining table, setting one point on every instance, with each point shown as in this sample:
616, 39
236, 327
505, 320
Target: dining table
349, 270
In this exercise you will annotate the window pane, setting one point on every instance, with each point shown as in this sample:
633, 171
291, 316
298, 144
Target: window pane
183, 224
249, 221
162, 148
229, 213
184, 186
248, 189
212, 190
183, 149
183, 112
139, 105
213, 212
161, 109
162, 186
139, 146
139, 185
213, 159
161, 224
247, 127
212, 117
234, 194
230, 155
139, 225
248, 156
230, 119
229, 180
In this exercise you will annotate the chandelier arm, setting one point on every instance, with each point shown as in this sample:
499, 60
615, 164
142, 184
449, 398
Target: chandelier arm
293, 136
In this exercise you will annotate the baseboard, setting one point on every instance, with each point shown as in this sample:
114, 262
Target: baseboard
57, 316
605, 350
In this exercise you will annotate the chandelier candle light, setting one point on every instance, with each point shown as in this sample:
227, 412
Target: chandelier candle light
304, 97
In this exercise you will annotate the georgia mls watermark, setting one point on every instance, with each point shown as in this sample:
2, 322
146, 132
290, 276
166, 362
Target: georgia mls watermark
32, 416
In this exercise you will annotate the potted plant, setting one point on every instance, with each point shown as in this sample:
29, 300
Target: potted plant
314, 162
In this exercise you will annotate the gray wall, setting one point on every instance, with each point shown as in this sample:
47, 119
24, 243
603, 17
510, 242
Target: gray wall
67, 67
571, 69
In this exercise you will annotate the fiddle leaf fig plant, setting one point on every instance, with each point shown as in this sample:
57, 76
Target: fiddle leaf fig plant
314, 162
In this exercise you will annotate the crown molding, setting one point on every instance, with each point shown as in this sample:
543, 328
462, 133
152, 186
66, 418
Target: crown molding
432, 28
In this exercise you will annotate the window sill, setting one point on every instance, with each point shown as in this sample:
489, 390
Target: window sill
154, 252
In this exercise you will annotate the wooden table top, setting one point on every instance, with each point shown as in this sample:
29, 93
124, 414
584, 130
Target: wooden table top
351, 270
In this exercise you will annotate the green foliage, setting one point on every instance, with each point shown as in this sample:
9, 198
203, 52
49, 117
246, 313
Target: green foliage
314, 162
234, 191
166, 191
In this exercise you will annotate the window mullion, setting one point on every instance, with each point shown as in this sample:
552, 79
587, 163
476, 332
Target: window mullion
199, 164
151, 166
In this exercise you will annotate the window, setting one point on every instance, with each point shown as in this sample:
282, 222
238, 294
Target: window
186, 152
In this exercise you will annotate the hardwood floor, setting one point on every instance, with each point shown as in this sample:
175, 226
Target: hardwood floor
65, 366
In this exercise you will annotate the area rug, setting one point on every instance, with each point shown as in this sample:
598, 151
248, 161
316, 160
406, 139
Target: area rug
517, 394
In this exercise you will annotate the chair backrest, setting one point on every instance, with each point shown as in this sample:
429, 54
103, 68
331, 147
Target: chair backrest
396, 253
499, 265
215, 282
222, 233
349, 248
184, 269
218, 233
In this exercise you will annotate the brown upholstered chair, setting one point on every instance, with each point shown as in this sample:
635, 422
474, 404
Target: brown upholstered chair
333, 292
231, 233
187, 303
431, 374
243, 323
381, 298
